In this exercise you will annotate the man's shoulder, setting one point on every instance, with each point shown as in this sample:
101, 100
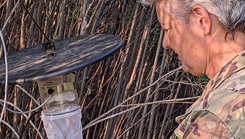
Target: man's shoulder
202, 124
221, 109
228, 103
225, 99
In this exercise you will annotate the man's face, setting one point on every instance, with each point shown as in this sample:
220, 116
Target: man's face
184, 39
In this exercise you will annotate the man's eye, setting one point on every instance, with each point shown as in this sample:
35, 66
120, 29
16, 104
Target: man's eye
166, 30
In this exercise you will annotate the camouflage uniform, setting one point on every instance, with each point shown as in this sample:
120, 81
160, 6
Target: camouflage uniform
220, 112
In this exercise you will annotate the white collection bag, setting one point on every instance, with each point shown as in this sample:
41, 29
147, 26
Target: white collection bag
65, 125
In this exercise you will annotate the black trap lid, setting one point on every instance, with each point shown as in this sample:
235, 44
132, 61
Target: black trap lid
70, 54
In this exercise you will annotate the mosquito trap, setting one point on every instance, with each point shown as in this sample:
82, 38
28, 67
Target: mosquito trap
61, 111
52, 67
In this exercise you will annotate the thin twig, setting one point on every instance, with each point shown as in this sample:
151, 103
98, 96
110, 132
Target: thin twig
134, 106
138, 93
10, 15
172, 101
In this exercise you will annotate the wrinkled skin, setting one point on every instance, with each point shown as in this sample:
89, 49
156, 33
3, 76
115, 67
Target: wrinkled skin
183, 39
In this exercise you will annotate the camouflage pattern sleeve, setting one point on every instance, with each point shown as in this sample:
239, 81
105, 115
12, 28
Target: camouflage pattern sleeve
202, 125
220, 112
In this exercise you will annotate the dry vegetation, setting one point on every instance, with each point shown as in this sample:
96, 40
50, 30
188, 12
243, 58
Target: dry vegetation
124, 96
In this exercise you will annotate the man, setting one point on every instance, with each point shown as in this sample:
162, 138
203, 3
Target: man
209, 38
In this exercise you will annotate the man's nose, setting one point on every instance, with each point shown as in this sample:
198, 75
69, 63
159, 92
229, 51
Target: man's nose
165, 41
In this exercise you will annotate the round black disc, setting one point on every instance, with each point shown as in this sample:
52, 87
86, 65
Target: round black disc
71, 54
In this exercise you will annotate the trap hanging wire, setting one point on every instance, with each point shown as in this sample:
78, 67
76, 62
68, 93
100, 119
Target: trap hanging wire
49, 46
34, 20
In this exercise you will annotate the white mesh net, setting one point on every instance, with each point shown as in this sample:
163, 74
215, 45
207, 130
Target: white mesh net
63, 126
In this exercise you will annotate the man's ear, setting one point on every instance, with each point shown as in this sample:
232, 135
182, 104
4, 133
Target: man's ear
202, 17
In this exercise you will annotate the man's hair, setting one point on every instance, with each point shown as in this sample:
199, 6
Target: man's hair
230, 13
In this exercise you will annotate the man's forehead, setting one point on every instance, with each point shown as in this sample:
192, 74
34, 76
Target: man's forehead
162, 5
